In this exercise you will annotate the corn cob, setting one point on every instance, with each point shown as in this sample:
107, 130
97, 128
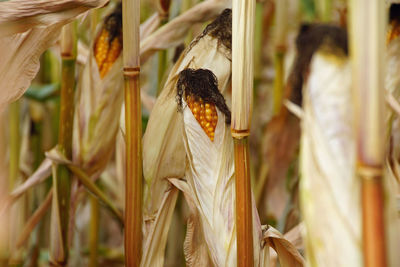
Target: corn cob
108, 44
200, 90
205, 114
101, 47
112, 55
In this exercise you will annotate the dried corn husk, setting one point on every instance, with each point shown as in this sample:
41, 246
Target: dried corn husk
285, 251
98, 104
27, 29
211, 186
330, 191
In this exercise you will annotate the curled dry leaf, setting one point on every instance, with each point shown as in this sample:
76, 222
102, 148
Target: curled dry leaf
173, 33
286, 252
27, 29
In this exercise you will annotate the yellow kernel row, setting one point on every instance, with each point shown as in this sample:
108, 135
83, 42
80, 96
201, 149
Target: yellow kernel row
112, 56
205, 114
106, 54
101, 47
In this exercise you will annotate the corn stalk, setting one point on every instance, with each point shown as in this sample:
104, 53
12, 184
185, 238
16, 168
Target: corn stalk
324, 8
243, 14
133, 123
281, 17
14, 144
94, 231
163, 7
94, 203
367, 48
62, 177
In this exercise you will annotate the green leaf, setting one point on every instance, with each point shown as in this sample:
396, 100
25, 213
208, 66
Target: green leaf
43, 93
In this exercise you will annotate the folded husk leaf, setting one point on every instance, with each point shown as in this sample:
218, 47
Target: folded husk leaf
329, 188
99, 102
286, 252
27, 29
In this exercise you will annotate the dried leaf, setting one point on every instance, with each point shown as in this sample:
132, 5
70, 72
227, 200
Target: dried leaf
174, 32
286, 252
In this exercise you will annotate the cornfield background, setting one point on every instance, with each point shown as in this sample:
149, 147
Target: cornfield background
199, 133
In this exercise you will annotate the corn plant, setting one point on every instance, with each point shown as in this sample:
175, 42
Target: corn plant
181, 110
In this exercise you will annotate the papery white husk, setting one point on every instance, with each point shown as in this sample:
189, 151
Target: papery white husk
211, 185
27, 29
96, 115
329, 188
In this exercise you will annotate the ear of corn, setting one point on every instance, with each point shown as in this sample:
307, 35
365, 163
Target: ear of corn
205, 114
329, 185
99, 99
163, 144
108, 44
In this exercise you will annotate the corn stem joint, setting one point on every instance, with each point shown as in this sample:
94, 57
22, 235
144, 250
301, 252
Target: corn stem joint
131, 72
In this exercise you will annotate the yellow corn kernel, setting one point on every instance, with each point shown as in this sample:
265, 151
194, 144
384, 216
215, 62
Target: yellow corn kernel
101, 47
205, 114
112, 55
